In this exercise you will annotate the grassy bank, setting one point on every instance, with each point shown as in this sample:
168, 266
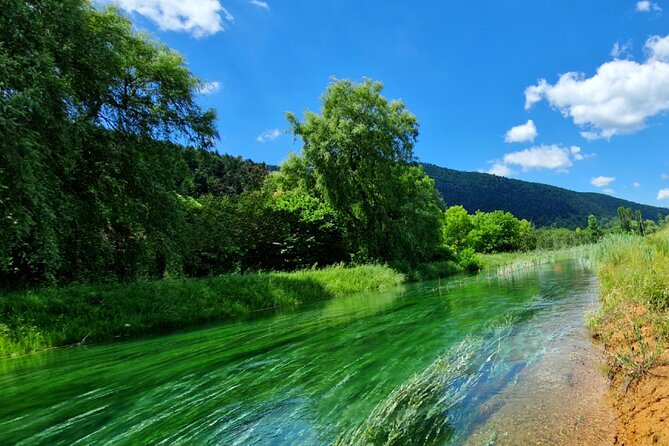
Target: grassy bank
633, 324
53, 317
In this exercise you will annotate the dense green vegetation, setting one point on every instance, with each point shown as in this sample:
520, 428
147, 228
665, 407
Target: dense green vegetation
98, 184
359, 150
635, 269
90, 109
541, 204
76, 314
499, 231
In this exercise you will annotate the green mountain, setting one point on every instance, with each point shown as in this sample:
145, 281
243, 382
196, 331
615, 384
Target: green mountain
540, 203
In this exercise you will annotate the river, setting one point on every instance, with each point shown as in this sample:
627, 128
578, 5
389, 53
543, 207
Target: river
498, 360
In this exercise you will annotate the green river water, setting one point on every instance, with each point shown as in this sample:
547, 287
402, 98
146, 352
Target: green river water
472, 360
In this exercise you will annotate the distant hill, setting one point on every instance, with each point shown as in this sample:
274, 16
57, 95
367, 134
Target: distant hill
540, 203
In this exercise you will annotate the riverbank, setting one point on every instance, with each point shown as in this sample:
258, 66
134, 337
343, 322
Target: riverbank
78, 314
633, 325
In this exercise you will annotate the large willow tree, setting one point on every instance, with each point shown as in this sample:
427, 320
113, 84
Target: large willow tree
89, 109
360, 147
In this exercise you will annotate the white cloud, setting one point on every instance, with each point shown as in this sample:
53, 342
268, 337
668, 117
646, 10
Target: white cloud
269, 135
663, 194
664, 176
621, 50
199, 18
522, 133
618, 99
636, 185
552, 157
260, 4
647, 6
578, 156
500, 169
657, 48
209, 88
602, 181
609, 191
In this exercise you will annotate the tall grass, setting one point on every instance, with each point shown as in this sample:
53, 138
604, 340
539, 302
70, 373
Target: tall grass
634, 269
634, 289
41, 319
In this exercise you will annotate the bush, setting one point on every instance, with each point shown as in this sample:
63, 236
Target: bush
469, 261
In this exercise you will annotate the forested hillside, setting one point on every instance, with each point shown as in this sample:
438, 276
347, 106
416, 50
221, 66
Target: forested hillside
542, 204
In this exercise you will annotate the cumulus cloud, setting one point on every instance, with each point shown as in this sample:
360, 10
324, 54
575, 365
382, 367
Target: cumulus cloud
552, 157
500, 169
260, 4
663, 194
522, 133
647, 6
209, 88
636, 185
602, 181
609, 191
269, 135
664, 176
618, 99
199, 18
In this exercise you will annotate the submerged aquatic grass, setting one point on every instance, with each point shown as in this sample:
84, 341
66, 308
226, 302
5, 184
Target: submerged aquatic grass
77, 314
422, 410
417, 411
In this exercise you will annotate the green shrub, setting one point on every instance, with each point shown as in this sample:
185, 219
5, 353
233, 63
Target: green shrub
469, 261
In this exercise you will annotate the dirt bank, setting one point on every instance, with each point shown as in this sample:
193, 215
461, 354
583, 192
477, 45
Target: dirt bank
638, 366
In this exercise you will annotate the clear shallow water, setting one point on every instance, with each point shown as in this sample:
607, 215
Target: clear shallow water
448, 362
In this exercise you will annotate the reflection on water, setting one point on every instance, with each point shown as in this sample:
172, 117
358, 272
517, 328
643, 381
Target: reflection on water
467, 361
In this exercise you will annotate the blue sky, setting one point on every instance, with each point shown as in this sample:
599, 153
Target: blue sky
591, 76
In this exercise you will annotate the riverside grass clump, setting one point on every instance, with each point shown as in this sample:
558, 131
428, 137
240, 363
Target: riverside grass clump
76, 314
634, 269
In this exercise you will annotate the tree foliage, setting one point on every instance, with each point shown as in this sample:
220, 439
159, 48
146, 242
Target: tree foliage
360, 149
595, 233
487, 232
88, 108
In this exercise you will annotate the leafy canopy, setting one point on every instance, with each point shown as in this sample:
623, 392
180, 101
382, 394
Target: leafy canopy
89, 110
360, 147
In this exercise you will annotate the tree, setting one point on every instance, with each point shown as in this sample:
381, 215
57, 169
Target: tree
496, 231
625, 216
89, 110
457, 224
639, 222
594, 231
360, 148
